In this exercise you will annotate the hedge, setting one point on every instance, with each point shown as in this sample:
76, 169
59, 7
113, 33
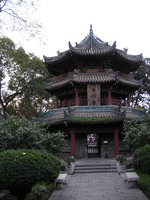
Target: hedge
21, 169
141, 159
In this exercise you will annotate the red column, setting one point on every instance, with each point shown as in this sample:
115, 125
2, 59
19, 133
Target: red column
56, 102
129, 100
77, 97
116, 142
109, 97
72, 143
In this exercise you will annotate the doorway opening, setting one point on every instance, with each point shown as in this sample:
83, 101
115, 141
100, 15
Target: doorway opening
93, 145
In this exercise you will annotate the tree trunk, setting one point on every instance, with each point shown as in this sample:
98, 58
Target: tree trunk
4, 112
4, 109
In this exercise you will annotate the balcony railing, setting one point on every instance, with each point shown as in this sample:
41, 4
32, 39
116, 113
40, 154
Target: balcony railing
83, 102
68, 103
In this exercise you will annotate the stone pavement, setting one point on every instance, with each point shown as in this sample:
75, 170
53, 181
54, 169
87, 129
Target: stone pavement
97, 186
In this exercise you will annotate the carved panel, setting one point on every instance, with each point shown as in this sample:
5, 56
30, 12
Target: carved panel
93, 94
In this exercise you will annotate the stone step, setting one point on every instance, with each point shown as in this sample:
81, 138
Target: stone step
92, 168
96, 171
96, 165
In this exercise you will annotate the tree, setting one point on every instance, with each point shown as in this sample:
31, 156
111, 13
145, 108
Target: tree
35, 99
136, 133
25, 74
21, 169
55, 142
20, 133
141, 98
17, 15
7, 48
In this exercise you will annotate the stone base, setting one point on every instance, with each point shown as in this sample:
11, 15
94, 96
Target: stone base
60, 181
131, 184
131, 179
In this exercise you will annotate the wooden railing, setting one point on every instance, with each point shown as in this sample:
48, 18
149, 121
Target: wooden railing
83, 102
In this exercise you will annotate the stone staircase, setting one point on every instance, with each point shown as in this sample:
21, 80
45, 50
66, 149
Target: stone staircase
98, 167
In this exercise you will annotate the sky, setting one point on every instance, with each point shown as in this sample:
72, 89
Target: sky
125, 21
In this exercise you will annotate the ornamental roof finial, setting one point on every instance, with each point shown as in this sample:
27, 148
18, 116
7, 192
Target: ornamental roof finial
91, 30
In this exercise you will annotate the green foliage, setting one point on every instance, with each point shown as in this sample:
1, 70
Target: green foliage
20, 133
141, 159
42, 190
121, 159
24, 90
69, 160
21, 169
137, 134
141, 98
144, 183
55, 142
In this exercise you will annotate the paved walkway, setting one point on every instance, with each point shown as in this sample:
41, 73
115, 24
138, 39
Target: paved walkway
97, 186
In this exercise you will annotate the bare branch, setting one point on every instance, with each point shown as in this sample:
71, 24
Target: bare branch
1, 7
16, 17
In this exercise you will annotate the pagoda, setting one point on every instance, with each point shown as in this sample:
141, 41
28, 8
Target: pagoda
92, 83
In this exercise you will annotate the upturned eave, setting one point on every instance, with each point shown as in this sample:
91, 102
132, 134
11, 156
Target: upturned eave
102, 78
92, 49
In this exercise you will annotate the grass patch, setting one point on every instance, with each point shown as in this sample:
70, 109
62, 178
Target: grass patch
144, 183
91, 119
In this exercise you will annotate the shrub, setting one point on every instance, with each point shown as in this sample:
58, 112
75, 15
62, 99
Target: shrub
20, 133
121, 159
136, 133
69, 160
42, 190
144, 184
55, 142
21, 169
141, 159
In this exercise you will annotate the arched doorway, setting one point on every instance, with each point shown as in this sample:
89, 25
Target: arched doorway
93, 145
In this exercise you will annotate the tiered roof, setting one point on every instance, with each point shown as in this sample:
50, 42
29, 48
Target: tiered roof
92, 51
83, 115
90, 115
92, 45
105, 77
